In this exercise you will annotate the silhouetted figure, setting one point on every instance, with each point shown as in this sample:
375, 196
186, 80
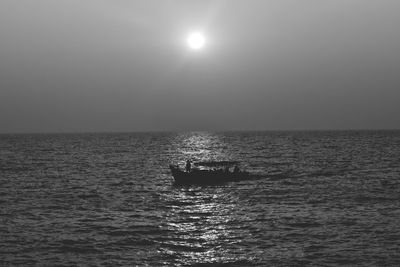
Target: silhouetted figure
236, 169
227, 169
188, 166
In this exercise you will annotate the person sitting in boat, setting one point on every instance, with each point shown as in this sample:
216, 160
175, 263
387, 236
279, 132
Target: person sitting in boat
226, 169
236, 169
188, 166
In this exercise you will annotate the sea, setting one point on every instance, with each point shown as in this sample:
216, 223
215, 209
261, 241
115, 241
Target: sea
322, 198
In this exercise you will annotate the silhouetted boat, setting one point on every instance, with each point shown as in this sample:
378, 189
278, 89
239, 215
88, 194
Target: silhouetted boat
210, 172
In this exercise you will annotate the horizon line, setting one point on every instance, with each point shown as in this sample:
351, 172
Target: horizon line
211, 131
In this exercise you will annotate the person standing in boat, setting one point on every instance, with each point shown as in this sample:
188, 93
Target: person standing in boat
188, 166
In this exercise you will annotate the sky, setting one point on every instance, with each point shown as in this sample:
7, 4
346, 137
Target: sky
124, 65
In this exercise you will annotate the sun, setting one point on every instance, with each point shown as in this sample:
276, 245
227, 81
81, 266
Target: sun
196, 40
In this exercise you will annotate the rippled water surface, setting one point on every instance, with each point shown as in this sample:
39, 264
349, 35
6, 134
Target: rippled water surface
324, 199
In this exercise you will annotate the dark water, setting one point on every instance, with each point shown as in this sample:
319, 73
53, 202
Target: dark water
327, 199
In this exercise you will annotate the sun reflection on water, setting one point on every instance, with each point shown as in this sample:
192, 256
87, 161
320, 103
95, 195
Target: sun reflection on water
199, 222
201, 146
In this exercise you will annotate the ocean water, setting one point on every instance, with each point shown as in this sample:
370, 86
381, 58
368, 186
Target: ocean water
323, 199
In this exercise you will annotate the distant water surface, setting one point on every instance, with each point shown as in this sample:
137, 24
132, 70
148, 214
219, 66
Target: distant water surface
325, 199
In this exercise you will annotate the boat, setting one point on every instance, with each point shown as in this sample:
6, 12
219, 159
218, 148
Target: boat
209, 172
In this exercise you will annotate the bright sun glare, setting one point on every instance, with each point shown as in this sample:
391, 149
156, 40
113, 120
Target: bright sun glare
196, 40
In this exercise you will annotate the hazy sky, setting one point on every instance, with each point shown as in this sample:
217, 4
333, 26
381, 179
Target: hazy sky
124, 65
